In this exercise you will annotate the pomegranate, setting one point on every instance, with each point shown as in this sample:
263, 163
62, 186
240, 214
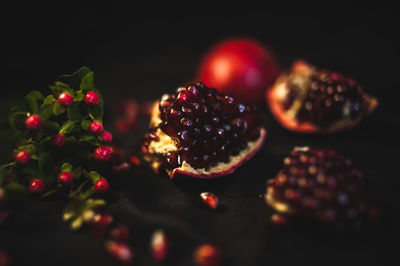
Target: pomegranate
240, 67
201, 133
310, 100
321, 184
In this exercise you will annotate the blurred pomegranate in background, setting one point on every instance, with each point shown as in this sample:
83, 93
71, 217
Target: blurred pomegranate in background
240, 67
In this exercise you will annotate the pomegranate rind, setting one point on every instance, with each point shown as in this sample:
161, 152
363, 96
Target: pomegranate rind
288, 120
166, 144
222, 169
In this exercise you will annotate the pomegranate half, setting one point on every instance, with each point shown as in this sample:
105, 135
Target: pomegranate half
320, 184
201, 133
310, 100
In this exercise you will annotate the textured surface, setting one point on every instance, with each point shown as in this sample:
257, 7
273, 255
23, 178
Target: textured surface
144, 58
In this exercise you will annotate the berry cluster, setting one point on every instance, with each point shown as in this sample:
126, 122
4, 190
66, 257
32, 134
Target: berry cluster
59, 139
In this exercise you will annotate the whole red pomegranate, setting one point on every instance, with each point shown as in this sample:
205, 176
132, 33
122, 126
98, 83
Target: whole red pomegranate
240, 67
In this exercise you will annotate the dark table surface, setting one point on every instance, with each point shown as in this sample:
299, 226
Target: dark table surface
145, 56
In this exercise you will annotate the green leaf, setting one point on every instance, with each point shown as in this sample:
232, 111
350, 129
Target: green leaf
94, 176
49, 99
77, 172
31, 148
48, 193
32, 101
51, 126
3, 175
66, 167
15, 187
71, 139
46, 111
17, 120
18, 109
58, 109
58, 88
77, 112
79, 96
87, 83
97, 112
20, 138
74, 79
68, 127
85, 124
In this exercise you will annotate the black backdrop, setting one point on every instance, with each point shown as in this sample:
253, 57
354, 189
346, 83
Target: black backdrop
142, 54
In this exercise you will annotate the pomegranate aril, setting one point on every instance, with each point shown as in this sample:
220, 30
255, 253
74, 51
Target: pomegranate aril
120, 251
119, 233
159, 246
209, 199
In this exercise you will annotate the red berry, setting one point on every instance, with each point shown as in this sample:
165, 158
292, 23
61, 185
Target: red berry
96, 127
59, 140
240, 67
120, 251
120, 233
65, 178
207, 255
65, 99
22, 157
159, 245
102, 153
91, 98
36, 186
101, 186
107, 136
33, 122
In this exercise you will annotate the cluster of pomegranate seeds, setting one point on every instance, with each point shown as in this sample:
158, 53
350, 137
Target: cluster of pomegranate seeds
207, 126
320, 183
329, 96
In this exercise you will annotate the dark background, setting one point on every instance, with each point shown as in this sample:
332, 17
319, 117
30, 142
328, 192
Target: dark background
142, 54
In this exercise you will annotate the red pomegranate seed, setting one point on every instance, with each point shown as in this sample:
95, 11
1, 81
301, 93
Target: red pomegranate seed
210, 199
207, 255
120, 233
135, 160
5, 259
278, 219
120, 251
100, 224
159, 245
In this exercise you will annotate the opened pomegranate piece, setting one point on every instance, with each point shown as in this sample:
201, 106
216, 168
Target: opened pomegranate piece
310, 100
201, 133
321, 184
